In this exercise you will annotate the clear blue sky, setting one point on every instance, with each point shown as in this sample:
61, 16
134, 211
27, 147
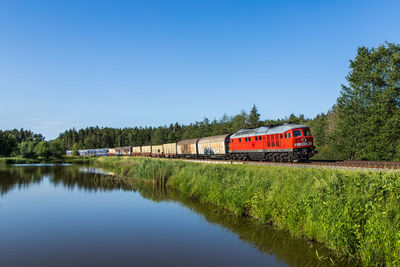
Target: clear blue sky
67, 64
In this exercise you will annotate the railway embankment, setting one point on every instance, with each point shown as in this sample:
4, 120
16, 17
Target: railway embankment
354, 213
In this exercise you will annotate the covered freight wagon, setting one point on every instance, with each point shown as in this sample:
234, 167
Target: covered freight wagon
187, 148
157, 151
146, 150
136, 151
94, 152
213, 146
123, 150
169, 150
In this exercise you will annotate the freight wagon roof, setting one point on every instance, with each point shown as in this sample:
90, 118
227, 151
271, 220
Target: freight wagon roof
188, 141
267, 130
216, 138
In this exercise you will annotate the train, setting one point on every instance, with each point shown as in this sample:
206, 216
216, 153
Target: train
278, 143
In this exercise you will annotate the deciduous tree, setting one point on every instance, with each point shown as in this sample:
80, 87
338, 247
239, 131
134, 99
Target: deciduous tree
369, 106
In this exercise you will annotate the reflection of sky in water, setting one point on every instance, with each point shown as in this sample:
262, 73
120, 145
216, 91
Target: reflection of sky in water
94, 171
70, 217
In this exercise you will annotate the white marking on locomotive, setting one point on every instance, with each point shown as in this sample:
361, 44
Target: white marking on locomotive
303, 144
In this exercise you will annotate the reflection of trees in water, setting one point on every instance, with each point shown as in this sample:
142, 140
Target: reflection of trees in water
285, 248
19, 177
71, 177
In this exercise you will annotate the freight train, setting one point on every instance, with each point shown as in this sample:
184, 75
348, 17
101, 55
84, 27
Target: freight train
284, 143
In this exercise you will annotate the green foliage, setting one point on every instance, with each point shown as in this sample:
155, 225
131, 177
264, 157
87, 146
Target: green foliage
354, 213
15, 142
160, 136
254, 117
297, 120
398, 151
42, 149
75, 149
27, 149
369, 108
57, 148
17, 160
8, 143
240, 121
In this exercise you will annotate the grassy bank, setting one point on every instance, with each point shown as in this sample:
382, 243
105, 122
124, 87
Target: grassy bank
354, 213
17, 160
20, 160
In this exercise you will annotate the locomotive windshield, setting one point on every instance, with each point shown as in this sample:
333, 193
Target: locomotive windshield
296, 133
307, 132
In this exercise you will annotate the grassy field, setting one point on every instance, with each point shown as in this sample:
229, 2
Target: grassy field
354, 213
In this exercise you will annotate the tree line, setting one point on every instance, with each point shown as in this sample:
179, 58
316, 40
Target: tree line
96, 137
26, 144
363, 124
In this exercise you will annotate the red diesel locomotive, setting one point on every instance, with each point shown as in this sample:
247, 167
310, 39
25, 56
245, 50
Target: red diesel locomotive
286, 142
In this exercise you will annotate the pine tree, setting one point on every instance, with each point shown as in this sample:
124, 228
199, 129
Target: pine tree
254, 117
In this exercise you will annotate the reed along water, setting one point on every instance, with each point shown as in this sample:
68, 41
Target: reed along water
79, 216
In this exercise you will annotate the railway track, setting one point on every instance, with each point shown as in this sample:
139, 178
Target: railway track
360, 164
341, 164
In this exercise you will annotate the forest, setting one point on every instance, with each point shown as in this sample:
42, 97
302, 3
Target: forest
363, 124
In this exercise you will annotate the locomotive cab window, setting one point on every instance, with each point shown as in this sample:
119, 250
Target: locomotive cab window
240, 139
296, 133
306, 132
249, 139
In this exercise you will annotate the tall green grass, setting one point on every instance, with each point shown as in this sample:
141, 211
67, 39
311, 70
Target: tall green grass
17, 160
354, 213
20, 160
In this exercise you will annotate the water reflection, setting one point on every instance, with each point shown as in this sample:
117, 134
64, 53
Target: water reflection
85, 178
292, 251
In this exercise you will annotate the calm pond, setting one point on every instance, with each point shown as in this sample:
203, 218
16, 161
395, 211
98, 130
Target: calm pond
74, 216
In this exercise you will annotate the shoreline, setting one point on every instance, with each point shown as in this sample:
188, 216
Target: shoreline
347, 211
354, 213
